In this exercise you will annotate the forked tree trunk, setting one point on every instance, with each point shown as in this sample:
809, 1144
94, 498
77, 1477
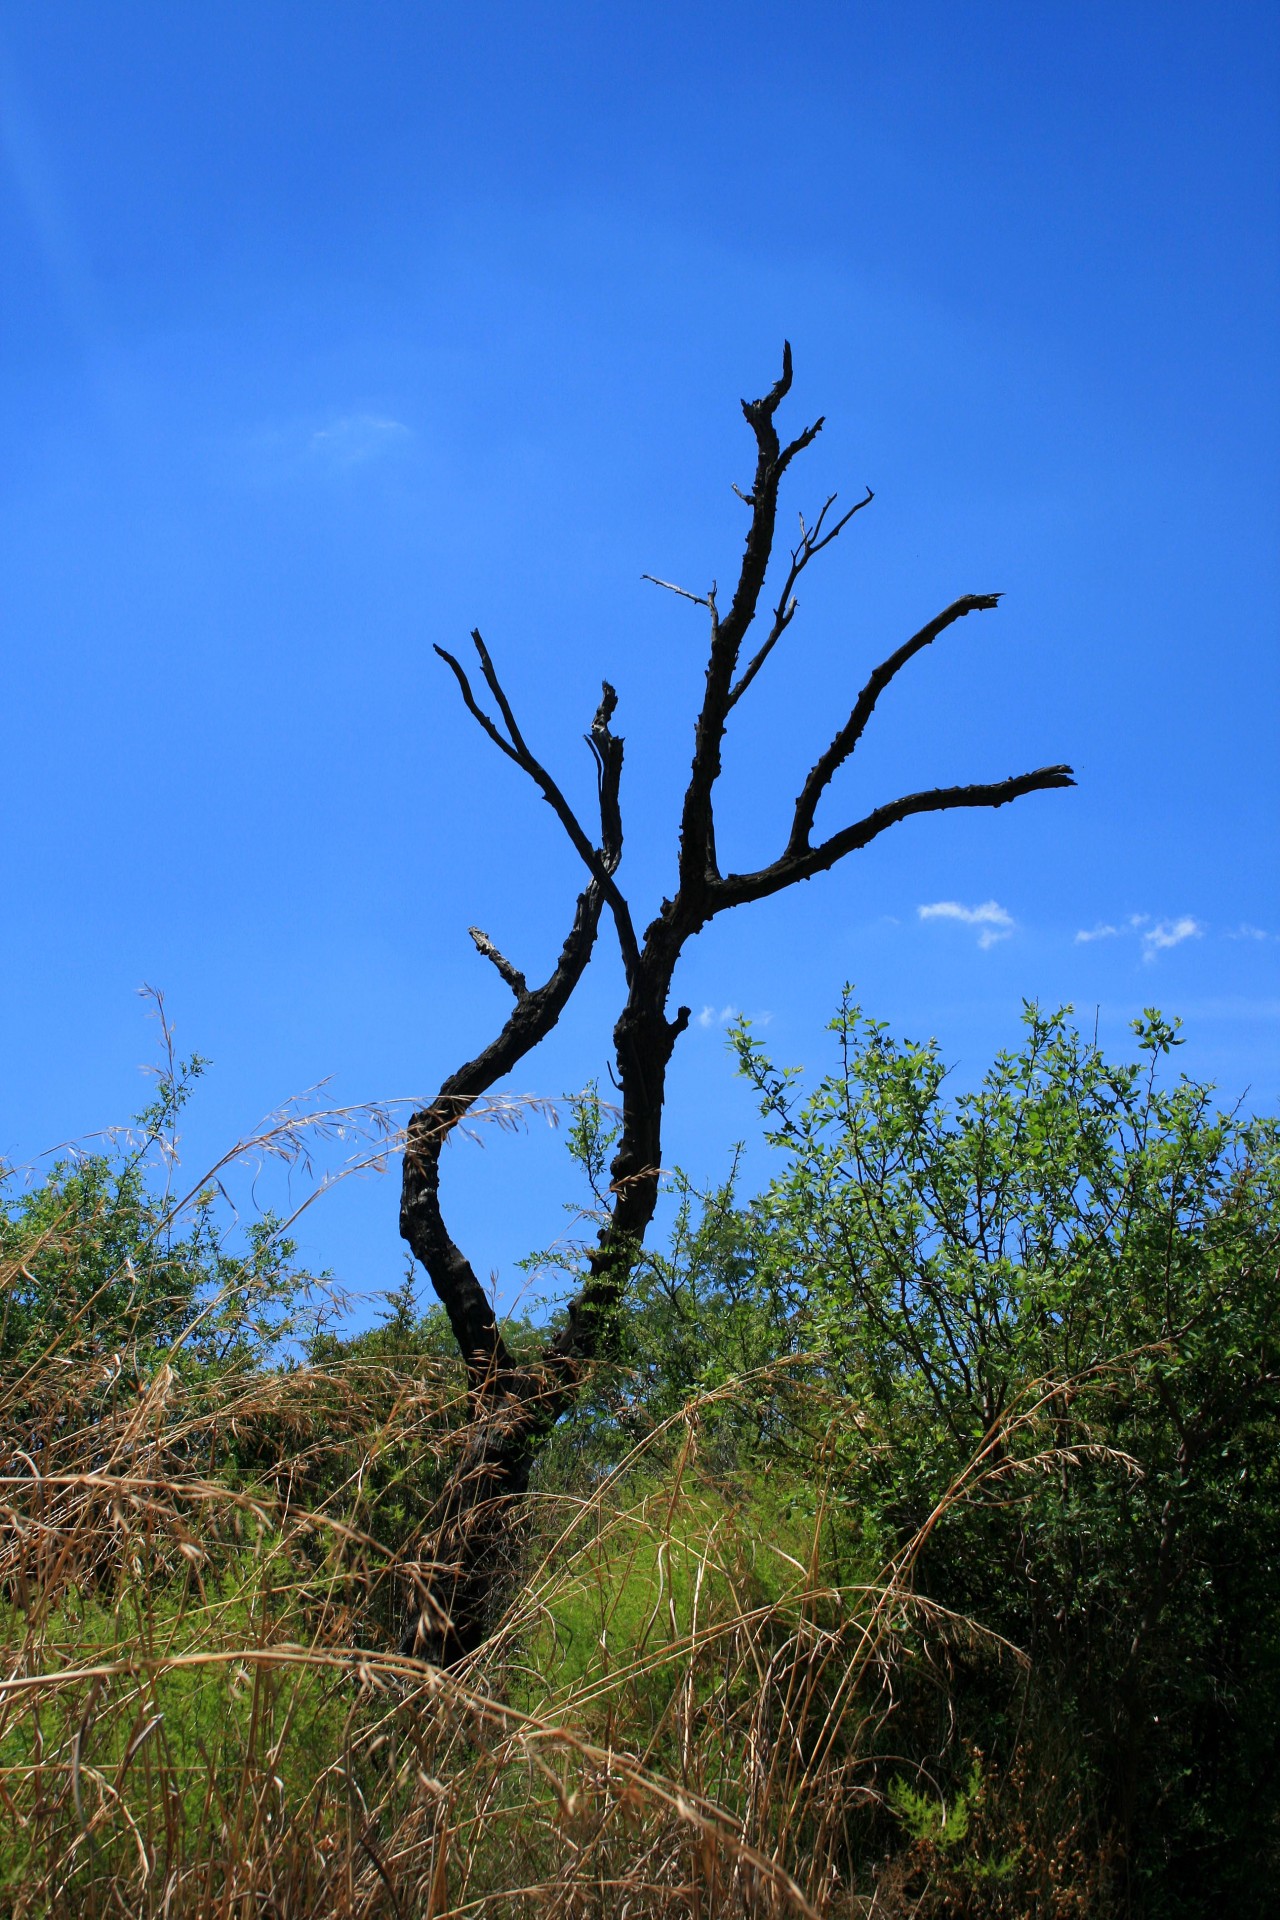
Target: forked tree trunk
513, 1407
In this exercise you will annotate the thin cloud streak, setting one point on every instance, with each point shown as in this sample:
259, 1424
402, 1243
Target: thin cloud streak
26, 158
726, 1016
995, 921
357, 437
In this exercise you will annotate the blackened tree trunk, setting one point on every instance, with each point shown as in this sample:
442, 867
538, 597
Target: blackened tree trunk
513, 1406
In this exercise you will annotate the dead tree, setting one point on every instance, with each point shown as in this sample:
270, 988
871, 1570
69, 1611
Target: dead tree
513, 1405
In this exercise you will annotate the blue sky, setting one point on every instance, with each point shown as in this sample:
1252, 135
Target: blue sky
331, 332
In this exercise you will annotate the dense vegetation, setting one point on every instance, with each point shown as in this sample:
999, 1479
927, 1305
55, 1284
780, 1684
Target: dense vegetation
917, 1551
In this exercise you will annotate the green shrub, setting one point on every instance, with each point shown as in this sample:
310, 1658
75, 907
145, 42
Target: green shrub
108, 1255
1055, 1301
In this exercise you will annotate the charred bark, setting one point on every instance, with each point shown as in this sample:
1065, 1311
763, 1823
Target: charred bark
513, 1406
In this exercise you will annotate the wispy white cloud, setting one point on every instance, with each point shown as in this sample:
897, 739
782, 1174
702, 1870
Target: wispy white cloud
31, 171
354, 438
995, 921
725, 1016
1157, 936
1170, 933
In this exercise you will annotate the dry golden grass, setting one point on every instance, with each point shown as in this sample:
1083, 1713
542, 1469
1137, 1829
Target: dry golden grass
681, 1711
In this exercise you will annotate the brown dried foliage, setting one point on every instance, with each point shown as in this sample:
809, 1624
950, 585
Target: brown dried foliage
686, 1709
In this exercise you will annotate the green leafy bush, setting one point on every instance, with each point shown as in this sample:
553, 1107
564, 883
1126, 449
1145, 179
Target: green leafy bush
1054, 1300
107, 1254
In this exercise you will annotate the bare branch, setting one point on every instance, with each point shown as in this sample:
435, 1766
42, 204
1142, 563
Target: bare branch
766, 408
512, 975
737, 888
833, 533
697, 824
495, 687
473, 707
596, 861
607, 751
698, 599
812, 541
851, 732
798, 445
535, 1013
